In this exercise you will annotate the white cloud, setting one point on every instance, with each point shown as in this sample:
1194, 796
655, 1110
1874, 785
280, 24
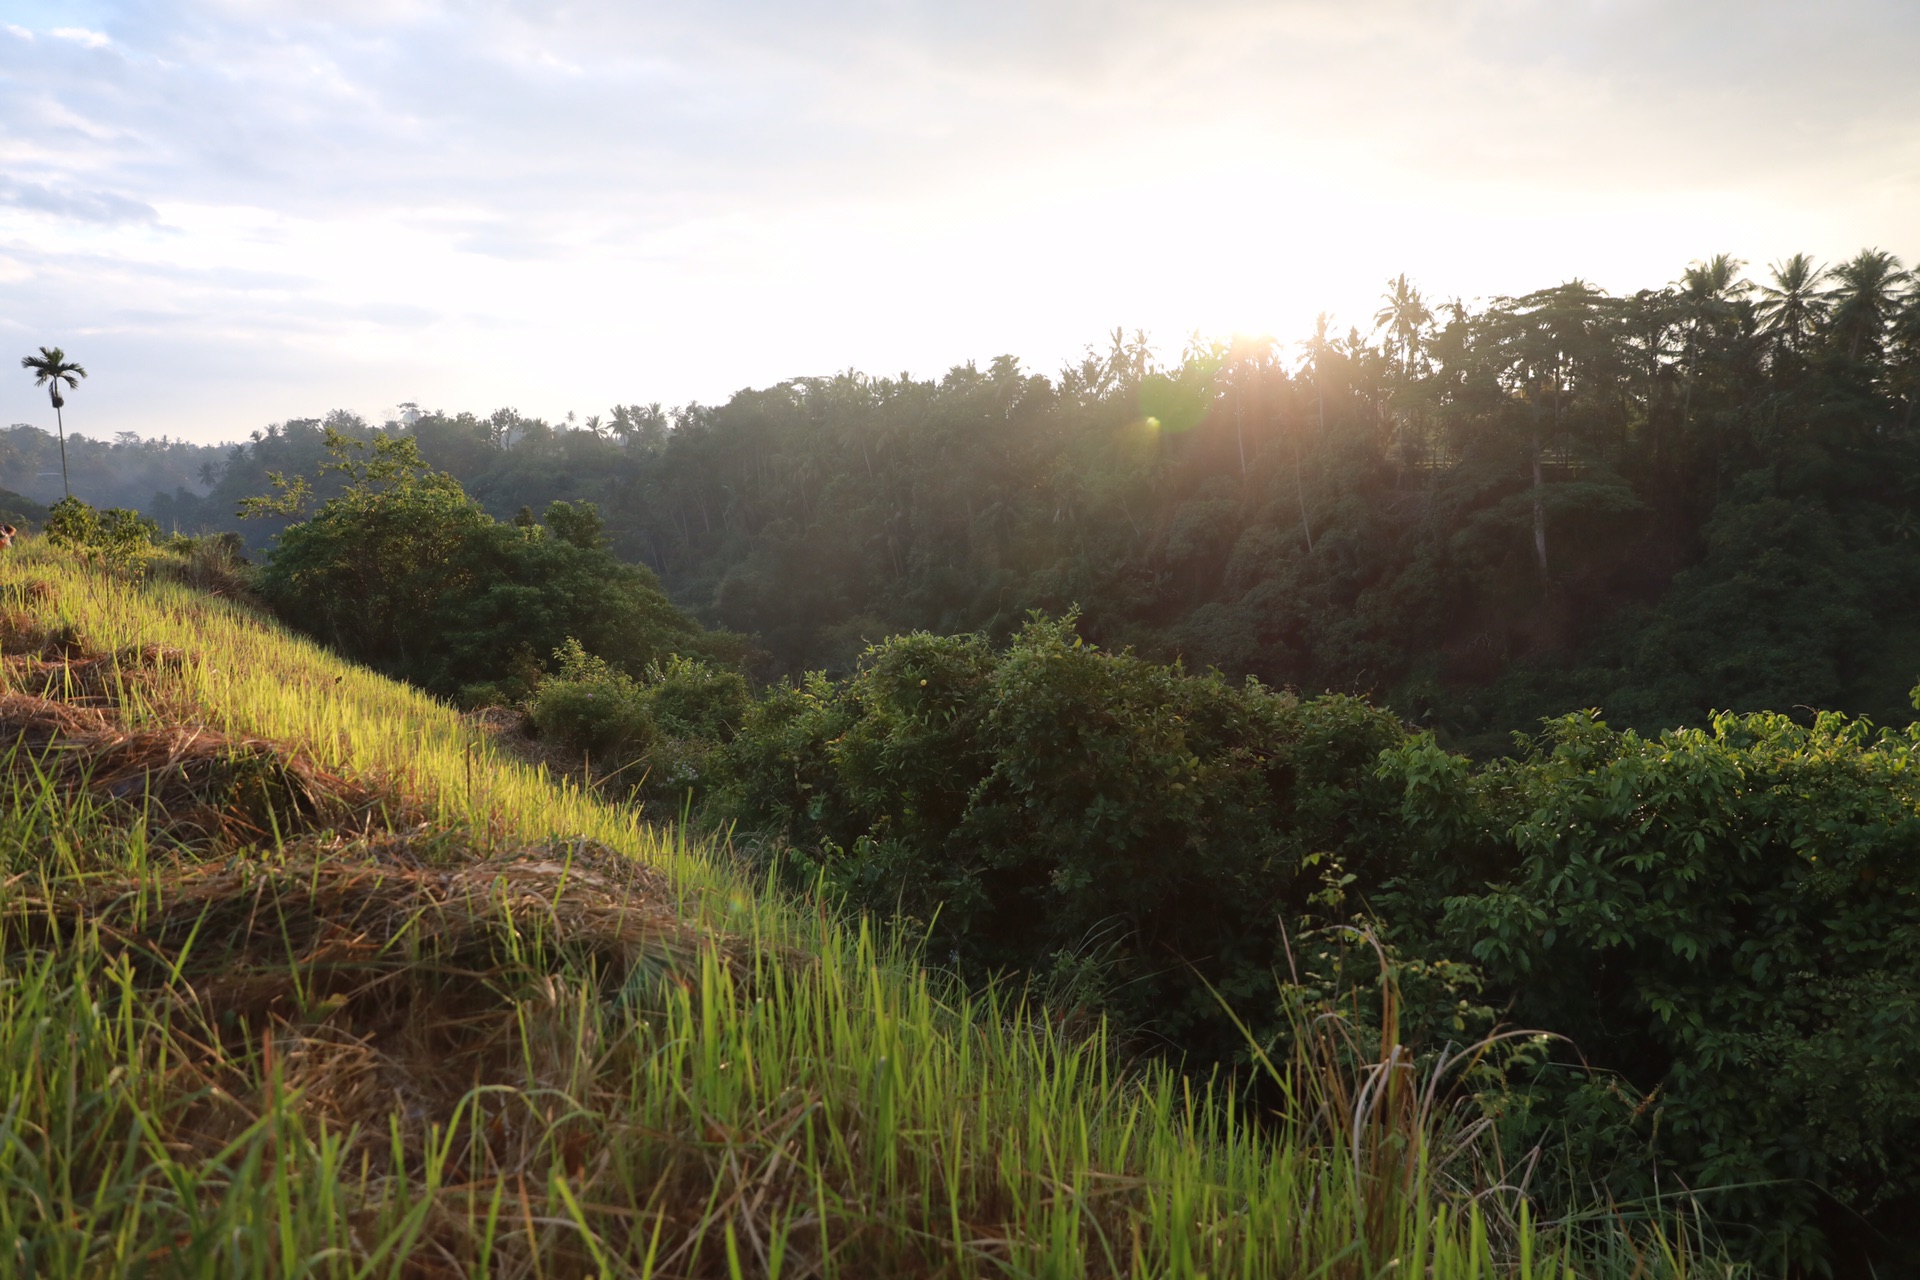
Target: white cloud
80, 206
82, 36
400, 201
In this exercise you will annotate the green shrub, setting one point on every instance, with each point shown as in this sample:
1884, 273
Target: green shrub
659, 734
577, 524
404, 571
1723, 924
1032, 803
1726, 919
116, 535
591, 706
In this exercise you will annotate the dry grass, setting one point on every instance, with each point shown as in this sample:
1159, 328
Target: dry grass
511, 732
388, 975
187, 784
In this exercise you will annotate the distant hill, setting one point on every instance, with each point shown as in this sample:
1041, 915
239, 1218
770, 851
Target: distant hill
20, 510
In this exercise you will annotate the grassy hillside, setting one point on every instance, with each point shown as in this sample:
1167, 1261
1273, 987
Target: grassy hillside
303, 976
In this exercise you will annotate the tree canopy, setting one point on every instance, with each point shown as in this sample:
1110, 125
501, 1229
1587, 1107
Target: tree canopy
1480, 514
402, 570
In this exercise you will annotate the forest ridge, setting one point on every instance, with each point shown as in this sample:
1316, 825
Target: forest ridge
1692, 497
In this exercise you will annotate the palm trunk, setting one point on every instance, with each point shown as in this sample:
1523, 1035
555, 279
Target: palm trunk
1239, 430
1300, 492
1539, 512
60, 422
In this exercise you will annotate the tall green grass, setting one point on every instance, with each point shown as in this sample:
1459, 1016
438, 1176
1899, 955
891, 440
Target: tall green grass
798, 1097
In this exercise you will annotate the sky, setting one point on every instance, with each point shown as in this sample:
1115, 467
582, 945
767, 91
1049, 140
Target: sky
234, 212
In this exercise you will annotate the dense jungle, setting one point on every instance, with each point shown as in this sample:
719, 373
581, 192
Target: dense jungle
1689, 498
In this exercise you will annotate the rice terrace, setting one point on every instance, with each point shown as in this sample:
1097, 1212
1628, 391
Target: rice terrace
1255, 638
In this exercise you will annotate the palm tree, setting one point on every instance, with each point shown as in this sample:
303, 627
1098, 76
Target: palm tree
1320, 350
1129, 362
1793, 306
1565, 344
1247, 361
1404, 317
51, 368
1866, 293
1709, 292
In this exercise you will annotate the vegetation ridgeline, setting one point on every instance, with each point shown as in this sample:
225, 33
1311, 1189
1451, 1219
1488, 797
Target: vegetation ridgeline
1686, 499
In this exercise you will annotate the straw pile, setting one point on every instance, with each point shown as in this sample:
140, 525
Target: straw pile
192, 785
387, 992
340, 910
89, 678
61, 724
57, 662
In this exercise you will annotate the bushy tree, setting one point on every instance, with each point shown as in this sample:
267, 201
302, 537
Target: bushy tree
119, 536
402, 570
657, 737
1720, 925
1037, 801
1726, 922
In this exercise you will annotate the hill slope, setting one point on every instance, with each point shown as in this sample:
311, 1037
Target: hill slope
307, 978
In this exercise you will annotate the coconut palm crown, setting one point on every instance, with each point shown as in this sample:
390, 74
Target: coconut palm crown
1793, 307
51, 368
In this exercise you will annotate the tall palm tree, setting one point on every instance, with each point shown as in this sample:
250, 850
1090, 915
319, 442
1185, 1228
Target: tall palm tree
1405, 316
1709, 294
1715, 281
1867, 289
1247, 362
1792, 307
51, 368
1320, 351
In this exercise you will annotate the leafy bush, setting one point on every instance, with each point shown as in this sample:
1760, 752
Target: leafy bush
659, 732
577, 524
1723, 924
116, 535
1035, 802
594, 707
1727, 918
405, 572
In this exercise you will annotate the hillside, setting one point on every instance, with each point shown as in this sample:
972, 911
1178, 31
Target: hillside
307, 977
22, 512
